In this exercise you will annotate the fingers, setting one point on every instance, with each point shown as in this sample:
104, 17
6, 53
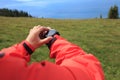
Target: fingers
41, 28
49, 28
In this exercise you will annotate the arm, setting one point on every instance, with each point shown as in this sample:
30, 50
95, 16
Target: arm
71, 56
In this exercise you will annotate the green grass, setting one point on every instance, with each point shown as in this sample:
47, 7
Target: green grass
100, 37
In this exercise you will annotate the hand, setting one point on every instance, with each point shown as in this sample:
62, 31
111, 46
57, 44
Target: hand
34, 39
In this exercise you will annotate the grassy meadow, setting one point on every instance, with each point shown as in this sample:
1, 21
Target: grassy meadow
100, 37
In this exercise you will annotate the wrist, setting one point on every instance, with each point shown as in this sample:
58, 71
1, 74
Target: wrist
31, 43
28, 46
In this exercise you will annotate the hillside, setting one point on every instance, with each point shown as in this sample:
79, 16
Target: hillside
100, 37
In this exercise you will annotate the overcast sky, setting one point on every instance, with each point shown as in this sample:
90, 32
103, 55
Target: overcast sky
81, 9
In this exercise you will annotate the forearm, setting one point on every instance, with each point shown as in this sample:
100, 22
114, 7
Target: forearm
62, 49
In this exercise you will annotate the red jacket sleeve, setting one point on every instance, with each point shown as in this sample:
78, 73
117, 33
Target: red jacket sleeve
71, 56
18, 50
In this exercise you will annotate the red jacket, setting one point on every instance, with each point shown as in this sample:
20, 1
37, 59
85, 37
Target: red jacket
71, 63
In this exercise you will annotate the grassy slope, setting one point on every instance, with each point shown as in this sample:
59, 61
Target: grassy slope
98, 36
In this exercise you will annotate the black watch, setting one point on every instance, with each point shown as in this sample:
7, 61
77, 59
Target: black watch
51, 32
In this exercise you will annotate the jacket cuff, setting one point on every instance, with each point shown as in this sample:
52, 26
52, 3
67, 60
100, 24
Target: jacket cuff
29, 48
57, 36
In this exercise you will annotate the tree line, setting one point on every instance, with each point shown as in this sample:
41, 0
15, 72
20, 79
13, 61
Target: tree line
13, 13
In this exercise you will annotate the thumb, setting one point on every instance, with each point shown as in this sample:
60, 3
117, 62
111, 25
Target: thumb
46, 40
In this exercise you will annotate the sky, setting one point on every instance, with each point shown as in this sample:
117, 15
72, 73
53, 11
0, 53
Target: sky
63, 9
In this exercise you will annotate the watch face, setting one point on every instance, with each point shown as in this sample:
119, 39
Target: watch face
51, 32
